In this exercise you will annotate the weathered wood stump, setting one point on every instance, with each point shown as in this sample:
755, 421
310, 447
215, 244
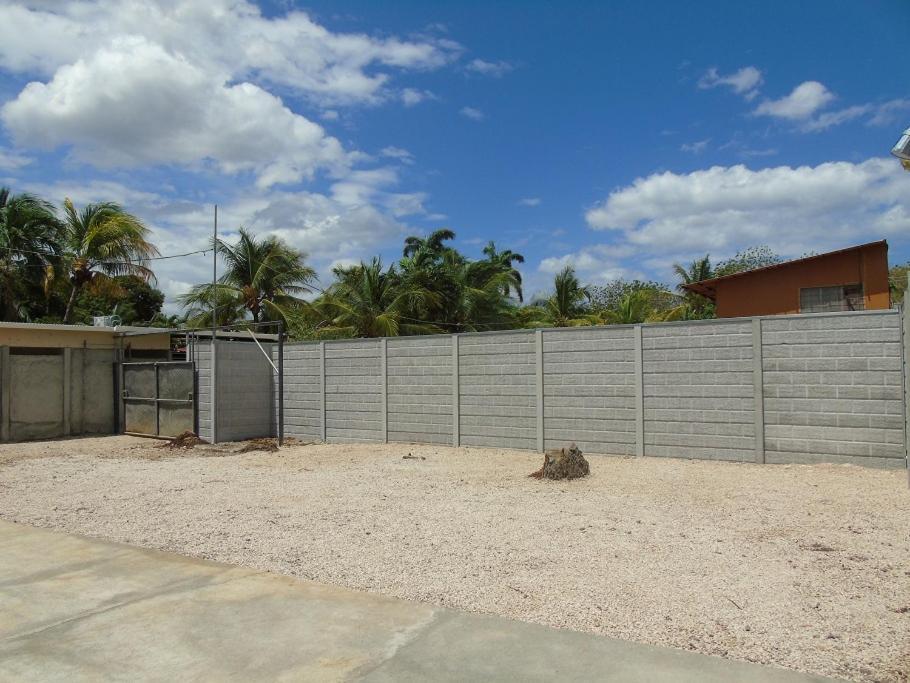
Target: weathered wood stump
563, 463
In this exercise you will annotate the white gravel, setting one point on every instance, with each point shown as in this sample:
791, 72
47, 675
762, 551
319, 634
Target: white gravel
805, 567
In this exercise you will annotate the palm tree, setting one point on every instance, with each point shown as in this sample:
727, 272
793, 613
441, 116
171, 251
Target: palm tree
429, 247
644, 306
698, 270
264, 278
367, 301
103, 241
30, 235
506, 260
567, 306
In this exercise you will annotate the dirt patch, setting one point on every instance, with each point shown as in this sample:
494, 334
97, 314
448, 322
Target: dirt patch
184, 440
713, 557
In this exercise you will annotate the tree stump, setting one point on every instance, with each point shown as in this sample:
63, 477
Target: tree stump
563, 463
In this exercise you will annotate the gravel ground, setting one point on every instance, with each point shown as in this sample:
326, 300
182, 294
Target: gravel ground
798, 566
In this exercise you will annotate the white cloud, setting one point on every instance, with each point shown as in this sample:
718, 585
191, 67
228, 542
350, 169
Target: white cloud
805, 100
879, 114
232, 36
485, 68
413, 96
744, 82
158, 108
472, 113
695, 147
402, 155
597, 263
793, 210
10, 161
529, 201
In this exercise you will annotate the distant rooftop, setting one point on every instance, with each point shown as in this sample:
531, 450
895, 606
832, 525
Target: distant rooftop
708, 288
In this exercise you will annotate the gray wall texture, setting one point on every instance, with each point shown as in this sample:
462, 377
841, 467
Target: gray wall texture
809, 388
54, 394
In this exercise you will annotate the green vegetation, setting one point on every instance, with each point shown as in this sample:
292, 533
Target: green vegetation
96, 262
89, 262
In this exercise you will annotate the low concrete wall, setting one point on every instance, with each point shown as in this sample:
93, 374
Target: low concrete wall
54, 394
805, 388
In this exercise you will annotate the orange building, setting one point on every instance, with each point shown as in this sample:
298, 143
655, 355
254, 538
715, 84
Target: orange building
852, 279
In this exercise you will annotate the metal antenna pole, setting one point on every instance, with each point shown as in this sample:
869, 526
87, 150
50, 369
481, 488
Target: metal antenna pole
214, 385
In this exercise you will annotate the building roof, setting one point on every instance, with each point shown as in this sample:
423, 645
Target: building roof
708, 288
60, 327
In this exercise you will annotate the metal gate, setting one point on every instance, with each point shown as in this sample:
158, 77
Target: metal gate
159, 399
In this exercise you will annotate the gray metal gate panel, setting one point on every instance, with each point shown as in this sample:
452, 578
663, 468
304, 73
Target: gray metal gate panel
159, 399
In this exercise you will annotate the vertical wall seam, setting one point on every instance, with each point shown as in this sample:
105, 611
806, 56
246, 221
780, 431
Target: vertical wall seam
758, 383
322, 388
5, 390
540, 399
383, 349
456, 399
67, 391
639, 394
213, 388
905, 377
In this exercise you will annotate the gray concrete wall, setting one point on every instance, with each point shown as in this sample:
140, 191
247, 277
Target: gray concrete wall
202, 354
589, 389
49, 395
817, 388
833, 389
302, 390
353, 391
497, 390
419, 376
244, 391
698, 390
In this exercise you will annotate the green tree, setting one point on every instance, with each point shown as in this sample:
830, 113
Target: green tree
133, 299
263, 278
644, 305
897, 282
505, 260
748, 259
103, 241
368, 301
700, 269
568, 305
30, 248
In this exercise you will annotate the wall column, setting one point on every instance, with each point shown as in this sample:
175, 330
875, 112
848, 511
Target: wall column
214, 388
759, 385
383, 364
5, 391
322, 388
456, 395
539, 353
639, 394
67, 390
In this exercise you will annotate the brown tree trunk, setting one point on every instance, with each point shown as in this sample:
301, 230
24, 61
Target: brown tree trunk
69, 304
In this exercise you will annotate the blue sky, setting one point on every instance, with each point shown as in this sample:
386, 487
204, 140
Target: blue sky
619, 137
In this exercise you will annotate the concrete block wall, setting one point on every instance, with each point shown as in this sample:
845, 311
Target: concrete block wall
245, 392
419, 379
698, 390
202, 354
813, 388
302, 390
589, 389
353, 391
497, 393
833, 389
50, 394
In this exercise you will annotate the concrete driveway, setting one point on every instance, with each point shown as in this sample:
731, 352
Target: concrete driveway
78, 609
